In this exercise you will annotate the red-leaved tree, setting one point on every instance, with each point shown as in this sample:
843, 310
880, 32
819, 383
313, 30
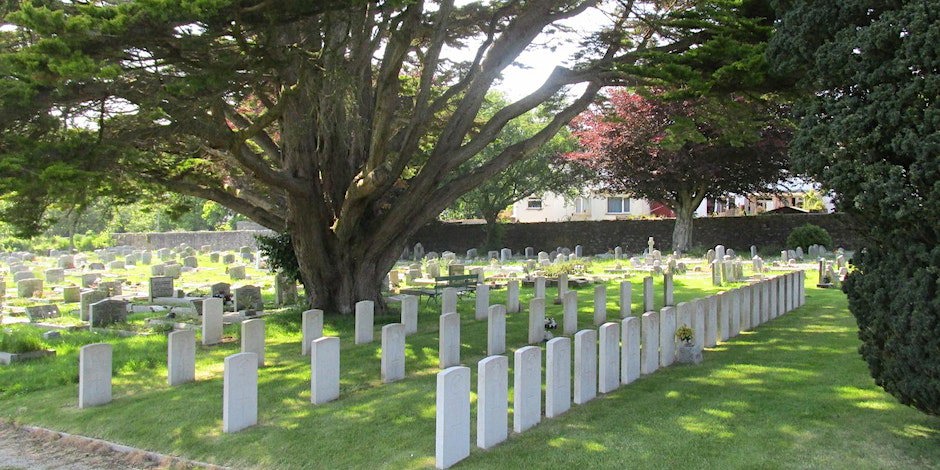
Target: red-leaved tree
683, 151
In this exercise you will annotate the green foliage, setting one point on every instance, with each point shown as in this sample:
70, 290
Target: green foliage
17, 339
807, 235
543, 171
812, 201
685, 334
280, 253
893, 295
870, 133
568, 267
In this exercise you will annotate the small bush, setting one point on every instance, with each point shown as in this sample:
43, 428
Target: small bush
21, 340
807, 235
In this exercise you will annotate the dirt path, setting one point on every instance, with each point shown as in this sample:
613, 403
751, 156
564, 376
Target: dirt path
22, 448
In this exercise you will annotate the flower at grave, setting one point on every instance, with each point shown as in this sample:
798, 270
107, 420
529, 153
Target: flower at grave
685, 334
550, 324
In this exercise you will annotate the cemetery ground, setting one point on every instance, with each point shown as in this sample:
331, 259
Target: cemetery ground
794, 393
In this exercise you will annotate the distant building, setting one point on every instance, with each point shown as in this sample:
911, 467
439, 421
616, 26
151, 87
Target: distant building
550, 207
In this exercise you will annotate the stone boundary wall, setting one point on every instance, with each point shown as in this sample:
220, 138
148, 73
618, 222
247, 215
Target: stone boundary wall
768, 232
222, 241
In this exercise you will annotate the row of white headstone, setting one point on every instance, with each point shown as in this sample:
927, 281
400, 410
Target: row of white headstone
616, 354
717, 317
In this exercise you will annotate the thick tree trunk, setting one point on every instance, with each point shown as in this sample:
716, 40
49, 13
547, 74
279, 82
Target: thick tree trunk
337, 275
493, 241
682, 232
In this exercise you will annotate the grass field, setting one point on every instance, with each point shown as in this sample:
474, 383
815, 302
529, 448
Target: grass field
792, 394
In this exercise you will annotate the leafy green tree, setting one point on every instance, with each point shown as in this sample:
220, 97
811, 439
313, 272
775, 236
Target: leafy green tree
342, 123
545, 170
871, 133
813, 201
681, 151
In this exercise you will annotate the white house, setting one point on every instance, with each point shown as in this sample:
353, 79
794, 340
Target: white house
550, 207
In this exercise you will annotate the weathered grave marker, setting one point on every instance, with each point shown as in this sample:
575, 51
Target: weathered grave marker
240, 392
94, 375
492, 401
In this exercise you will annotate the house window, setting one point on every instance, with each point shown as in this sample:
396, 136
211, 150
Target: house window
618, 205
534, 203
581, 205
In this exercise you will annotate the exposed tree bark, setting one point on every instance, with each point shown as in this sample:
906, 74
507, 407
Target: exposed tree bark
684, 206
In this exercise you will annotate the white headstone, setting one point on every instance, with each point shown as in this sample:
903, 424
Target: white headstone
724, 316
452, 428
781, 296
585, 366
734, 320
311, 328
630, 350
449, 300
536, 320
698, 323
181, 357
540, 287
240, 392
492, 401
482, 301
773, 298
393, 352
684, 314
649, 355
253, 338
649, 299
562, 285
626, 299
496, 330
512, 297
765, 301
600, 304
409, 313
94, 375
667, 336
755, 305
570, 306
527, 388
324, 369
449, 340
365, 317
211, 321
505, 255
608, 374
744, 298
557, 376
668, 290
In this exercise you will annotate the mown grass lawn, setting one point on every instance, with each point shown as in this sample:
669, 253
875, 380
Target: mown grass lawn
793, 394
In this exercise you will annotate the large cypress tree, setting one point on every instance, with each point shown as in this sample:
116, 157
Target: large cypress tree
871, 132
347, 124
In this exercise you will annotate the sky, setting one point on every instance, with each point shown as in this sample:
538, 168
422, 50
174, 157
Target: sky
538, 61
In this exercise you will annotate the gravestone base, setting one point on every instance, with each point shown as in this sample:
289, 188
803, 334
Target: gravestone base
687, 354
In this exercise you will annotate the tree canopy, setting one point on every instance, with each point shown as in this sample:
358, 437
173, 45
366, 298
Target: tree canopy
345, 124
680, 152
871, 133
544, 171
